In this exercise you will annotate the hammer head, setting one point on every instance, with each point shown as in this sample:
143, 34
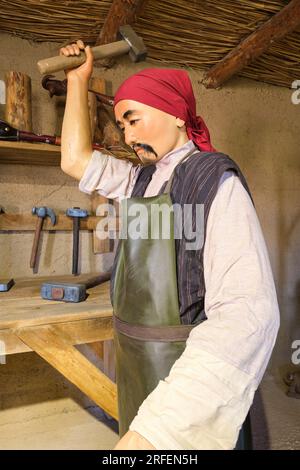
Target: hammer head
63, 291
44, 212
138, 51
76, 212
55, 87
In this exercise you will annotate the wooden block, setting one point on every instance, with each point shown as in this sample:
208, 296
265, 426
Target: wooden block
18, 100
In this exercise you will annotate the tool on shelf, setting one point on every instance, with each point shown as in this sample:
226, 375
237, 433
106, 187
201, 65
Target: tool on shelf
71, 292
6, 284
76, 213
9, 133
41, 213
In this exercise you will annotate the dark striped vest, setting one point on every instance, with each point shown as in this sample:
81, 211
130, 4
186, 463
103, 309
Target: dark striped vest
195, 181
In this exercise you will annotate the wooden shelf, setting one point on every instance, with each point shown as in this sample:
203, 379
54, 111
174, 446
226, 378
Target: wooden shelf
27, 222
27, 153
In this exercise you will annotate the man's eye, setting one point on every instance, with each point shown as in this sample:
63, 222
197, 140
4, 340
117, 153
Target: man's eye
133, 121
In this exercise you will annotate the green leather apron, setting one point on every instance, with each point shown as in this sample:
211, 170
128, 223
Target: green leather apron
149, 337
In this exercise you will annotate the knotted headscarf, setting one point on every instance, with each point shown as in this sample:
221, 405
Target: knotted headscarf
171, 91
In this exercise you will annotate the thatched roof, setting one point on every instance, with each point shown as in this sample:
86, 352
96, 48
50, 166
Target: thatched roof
193, 33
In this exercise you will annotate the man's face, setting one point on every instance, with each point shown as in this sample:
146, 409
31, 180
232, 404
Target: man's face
150, 132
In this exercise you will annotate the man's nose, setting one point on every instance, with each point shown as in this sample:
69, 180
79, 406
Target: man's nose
130, 138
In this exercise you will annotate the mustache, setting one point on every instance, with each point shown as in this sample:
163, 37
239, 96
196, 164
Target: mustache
145, 147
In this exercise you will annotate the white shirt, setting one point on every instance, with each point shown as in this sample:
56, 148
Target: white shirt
203, 402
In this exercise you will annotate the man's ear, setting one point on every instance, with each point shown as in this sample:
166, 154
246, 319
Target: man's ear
179, 122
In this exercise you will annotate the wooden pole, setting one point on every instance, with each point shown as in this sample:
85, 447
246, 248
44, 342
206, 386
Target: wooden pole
18, 100
120, 13
284, 22
100, 245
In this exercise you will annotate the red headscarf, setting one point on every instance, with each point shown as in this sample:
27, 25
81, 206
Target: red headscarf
169, 90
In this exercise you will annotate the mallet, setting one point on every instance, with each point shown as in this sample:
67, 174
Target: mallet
130, 42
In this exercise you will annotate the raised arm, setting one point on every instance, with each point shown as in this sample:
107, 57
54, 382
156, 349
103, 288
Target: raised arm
76, 142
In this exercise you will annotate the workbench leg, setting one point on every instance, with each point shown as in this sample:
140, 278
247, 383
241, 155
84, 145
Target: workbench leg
109, 362
56, 347
109, 359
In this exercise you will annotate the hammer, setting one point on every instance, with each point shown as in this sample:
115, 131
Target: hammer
130, 42
76, 213
41, 212
71, 292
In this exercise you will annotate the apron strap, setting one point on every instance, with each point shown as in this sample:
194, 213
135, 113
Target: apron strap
166, 334
170, 181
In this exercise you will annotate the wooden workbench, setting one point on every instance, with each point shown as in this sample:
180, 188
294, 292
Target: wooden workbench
52, 328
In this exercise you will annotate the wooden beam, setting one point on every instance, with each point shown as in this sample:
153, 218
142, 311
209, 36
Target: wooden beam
121, 12
91, 331
57, 349
284, 22
27, 222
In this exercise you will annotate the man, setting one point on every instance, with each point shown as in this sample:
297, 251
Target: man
225, 288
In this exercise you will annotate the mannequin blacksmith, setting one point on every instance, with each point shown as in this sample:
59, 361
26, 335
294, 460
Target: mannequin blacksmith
194, 327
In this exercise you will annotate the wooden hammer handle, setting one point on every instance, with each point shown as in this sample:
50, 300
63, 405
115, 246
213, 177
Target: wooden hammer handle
39, 225
55, 64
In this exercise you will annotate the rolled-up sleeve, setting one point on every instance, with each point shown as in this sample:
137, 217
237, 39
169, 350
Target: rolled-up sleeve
203, 402
109, 176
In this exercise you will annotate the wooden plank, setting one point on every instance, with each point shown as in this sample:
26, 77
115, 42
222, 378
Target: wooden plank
29, 153
92, 331
284, 22
27, 222
23, 306
28, 287
95, 330
15, 316
57, 350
